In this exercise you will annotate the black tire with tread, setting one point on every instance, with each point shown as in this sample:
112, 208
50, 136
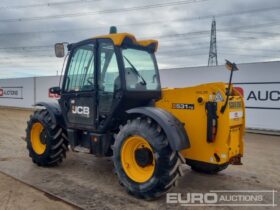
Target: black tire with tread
167, 168
57, 142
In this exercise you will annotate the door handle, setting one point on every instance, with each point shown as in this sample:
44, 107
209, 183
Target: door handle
66, 105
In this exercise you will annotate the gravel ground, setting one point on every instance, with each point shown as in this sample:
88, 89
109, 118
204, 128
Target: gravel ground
90, 183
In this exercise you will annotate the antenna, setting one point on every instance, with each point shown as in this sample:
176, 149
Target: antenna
213, 57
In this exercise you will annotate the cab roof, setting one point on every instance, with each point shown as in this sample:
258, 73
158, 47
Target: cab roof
118, 39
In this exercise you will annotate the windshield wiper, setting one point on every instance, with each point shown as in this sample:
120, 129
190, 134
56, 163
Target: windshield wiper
136, 71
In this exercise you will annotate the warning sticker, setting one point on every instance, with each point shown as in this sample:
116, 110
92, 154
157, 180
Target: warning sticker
236, 115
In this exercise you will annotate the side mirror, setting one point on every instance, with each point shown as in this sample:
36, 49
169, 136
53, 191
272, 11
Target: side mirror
55, 90
59, 50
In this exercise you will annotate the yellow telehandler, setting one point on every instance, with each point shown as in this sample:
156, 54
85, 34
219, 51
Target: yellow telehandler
111, 104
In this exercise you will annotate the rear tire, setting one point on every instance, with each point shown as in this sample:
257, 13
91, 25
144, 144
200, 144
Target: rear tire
46, 141
166, 163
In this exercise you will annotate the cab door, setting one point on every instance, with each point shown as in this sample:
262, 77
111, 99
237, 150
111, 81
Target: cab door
109, 82
78, 97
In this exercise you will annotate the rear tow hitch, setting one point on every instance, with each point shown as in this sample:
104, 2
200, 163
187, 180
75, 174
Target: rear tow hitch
236, 160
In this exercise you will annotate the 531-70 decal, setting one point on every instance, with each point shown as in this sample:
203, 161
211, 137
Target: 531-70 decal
182, 106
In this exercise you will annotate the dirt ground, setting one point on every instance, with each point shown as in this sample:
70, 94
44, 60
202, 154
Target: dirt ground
15, 195
90, 183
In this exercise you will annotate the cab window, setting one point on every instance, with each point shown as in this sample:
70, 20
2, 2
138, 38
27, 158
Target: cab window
109, 80
140, 70
80, 74
109, 67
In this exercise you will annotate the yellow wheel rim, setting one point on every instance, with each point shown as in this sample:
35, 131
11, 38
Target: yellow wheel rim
38, 146
130, 163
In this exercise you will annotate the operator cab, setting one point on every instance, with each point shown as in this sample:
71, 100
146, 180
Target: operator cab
104, 77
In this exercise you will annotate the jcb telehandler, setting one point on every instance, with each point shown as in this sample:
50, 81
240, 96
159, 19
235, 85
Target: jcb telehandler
111, 104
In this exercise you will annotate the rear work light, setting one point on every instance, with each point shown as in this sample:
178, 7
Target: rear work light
239, 90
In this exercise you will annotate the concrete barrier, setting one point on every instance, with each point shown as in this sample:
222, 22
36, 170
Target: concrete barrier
260, 82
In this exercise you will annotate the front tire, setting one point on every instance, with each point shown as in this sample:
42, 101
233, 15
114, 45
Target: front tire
46, 141
144, 161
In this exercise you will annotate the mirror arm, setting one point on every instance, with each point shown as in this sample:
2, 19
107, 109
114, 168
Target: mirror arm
228, 89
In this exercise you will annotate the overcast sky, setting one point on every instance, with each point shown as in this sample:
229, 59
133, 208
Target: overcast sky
247, 31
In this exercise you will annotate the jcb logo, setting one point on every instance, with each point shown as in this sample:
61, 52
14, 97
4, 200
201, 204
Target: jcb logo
83, 110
